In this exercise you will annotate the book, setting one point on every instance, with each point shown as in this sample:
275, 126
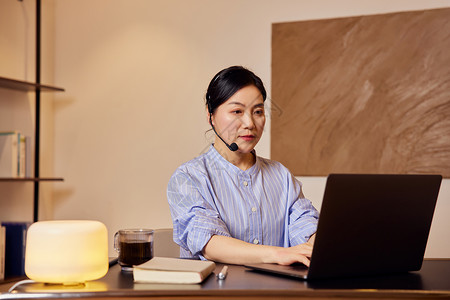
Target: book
15, 242
2, 252
22, 168
13, 154
173, 270
9, 154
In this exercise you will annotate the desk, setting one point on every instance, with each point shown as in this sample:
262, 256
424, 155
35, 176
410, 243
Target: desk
433, 280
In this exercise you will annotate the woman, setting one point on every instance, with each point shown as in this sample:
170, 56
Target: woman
228, 204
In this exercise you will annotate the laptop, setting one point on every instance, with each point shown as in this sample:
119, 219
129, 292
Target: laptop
369, 224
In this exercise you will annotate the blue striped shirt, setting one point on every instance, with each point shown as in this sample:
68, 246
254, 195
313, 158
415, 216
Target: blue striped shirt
262, 205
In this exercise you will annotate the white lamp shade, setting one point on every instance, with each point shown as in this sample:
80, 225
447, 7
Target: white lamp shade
66, 251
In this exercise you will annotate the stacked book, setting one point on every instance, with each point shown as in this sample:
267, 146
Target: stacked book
13, 241
12, 154
173, 271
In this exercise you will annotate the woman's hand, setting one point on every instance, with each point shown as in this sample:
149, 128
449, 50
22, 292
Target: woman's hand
234, 251
300, 253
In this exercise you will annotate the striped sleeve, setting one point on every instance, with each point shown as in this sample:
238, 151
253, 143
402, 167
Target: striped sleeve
303, 217
195, 220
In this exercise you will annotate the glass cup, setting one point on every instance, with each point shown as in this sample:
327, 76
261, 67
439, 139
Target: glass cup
135, 246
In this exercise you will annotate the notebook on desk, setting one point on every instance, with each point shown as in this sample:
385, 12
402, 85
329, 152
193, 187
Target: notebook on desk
369, 224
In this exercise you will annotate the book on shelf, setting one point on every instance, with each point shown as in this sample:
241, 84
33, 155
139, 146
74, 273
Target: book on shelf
2, 252
13, 154
22, 167
15, 241
173, 270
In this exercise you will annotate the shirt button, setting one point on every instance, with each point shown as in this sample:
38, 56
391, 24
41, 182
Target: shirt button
255, 241
245, 183
254, 209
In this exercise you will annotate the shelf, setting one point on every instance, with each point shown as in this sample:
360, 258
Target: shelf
27, 86
33, 179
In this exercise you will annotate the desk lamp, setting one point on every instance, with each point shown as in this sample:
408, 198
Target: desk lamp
66, 252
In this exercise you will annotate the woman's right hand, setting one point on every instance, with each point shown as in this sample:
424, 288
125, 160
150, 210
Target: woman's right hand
230, 250
287, 256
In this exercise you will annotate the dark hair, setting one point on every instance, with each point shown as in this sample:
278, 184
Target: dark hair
227, 82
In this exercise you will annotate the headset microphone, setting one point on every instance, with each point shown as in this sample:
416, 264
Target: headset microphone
233, 147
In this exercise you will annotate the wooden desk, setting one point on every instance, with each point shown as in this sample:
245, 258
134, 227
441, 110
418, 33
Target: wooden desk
433, 281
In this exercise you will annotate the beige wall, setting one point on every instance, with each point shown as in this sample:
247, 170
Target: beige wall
135, 74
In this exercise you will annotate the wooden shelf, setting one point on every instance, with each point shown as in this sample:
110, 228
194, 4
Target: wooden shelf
33, 179
36, 88
27, 86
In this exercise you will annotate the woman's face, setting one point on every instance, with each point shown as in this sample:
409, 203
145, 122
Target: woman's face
241, 119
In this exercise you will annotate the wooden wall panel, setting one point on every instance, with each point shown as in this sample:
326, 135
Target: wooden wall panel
367, 94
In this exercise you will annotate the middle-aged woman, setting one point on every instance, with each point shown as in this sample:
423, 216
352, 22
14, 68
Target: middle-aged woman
230, 205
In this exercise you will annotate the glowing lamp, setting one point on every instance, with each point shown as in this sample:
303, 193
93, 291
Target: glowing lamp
67, 252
